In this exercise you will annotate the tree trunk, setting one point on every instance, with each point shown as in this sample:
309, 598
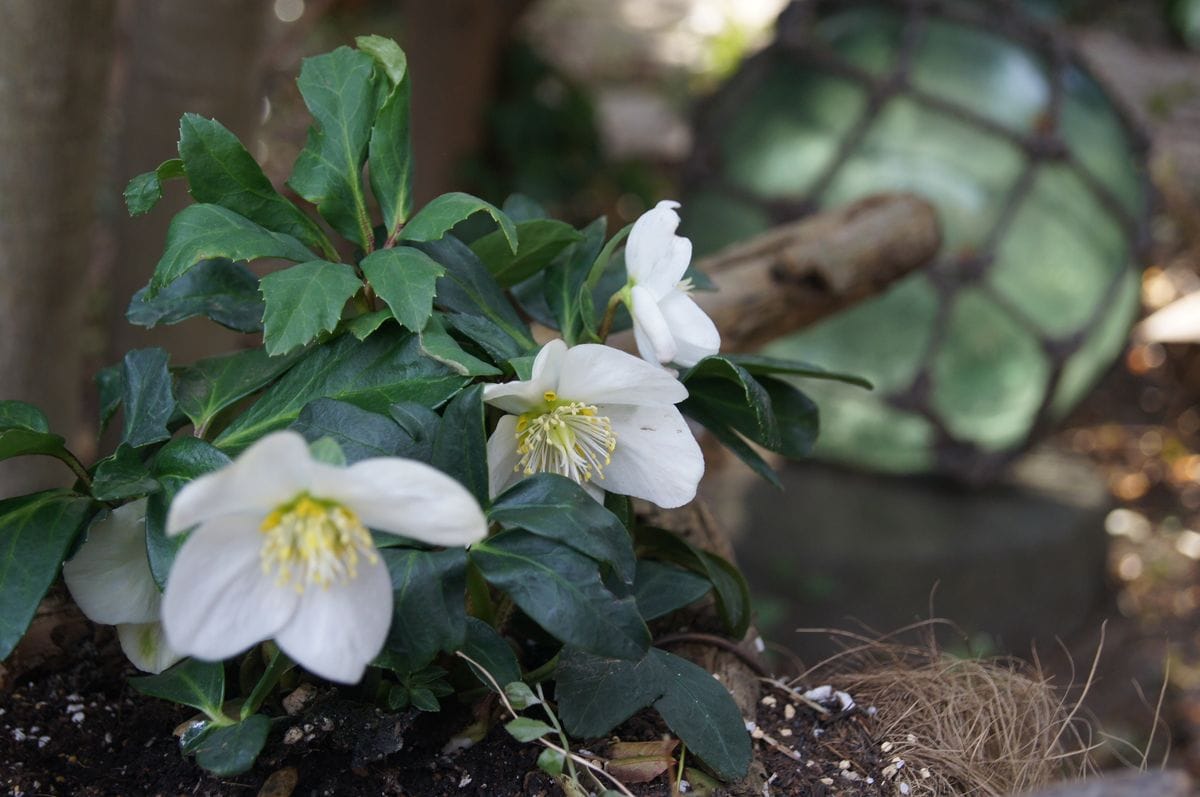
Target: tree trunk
180, 56
54, 68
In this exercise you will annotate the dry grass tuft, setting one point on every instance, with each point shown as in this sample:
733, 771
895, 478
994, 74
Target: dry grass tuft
961, 726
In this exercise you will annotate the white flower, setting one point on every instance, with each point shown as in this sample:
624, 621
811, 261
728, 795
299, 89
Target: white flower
282, 552
109, 578
601, 417
667, 324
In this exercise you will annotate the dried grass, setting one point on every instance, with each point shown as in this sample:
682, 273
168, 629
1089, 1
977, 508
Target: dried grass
962, 726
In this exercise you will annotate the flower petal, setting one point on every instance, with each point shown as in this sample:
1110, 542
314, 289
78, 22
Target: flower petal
109, 577
598, 374
657, 457
695, 334
502, 455
336, 632
145, 645
651, 241
267, 474
655, 343
218, 600
405, 497
667, 273
517, 397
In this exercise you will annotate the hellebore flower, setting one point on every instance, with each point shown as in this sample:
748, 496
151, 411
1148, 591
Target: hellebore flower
109, 578
282, 552
601, 417
667, 324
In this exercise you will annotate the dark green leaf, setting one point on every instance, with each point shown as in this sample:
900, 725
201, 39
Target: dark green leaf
143, 192
404, 278
733, 596
760, 365
204, 232
109, 389
232, 749
210, 385
121, 476
391, 140
539, 242
176, 464
438, 344
562, 591
730, 393
460, 447
596, 694
191, 682
18, 442
797, 415
468, 288
492, 651
373, 374
729, 438
661, 589
19, 415
36, 531
339, 92
429, 609
420, 424
487, 336
304, 301
361, 434
363, 326
220, 171
148, 397
434, 220
564, 279
526, 729
557, 508
222, 290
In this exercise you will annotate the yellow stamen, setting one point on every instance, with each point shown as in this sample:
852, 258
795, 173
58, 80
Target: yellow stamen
566, 438
314, 541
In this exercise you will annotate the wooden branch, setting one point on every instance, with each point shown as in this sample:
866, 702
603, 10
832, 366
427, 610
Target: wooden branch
796, 274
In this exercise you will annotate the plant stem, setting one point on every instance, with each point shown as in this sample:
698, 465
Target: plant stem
610, 312
480, 596
541, 673
562, 735
279, 664
72, 462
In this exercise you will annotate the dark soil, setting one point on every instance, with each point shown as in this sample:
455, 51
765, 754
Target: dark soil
81, 730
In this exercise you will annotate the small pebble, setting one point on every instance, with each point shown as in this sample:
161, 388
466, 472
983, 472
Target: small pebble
769, 700
785, 731
464, 781
293, 735
844, 764
904, 788
886, 747
827, 781
925, 772
789, 711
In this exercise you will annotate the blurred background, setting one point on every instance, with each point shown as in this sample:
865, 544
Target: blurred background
1023, 467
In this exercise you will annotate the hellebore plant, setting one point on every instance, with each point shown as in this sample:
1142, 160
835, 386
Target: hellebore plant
400, 480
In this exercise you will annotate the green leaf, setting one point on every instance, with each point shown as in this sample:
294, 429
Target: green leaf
373, 374
429, 611
460, 447
564, 280
220, 289
596, 694
539, 242
730, 393
761, 365
404, 278
232, 749
525, 729
20, 415
797, 416
487, 336
208, 386
732, 593
122, 476
557, 508
468, 288
109, 389
520, 695
148, 397
363, 326
339, 92
562, 591
434, 220
420, 424
304, 301
661, 589
176, 464
437, 343
390, 146
204, 232
36, 531
361, 434
327, 450
551, 762
143, 192
220, 171
725, 434
492, 651
191, 682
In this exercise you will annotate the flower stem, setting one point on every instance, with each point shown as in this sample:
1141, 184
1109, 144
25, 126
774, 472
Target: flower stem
72, 462
610, 312
542, 672
278, 665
